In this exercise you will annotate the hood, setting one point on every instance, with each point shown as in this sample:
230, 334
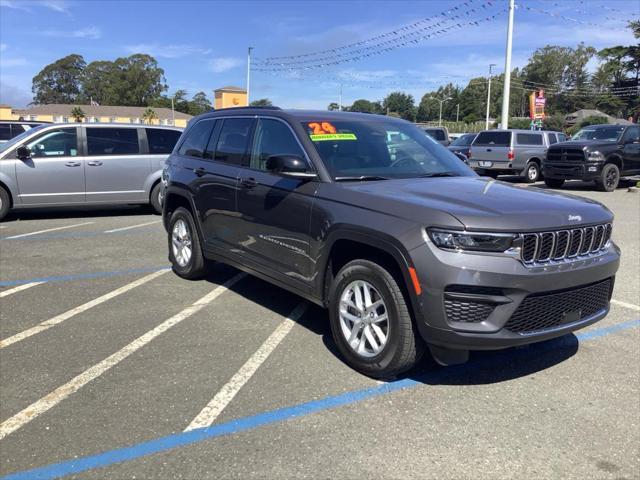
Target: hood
482, 204
589, 144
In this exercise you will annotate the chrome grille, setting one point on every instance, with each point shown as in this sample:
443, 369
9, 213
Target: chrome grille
544, 247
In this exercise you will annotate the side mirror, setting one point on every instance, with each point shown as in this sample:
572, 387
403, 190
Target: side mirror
23, 152
462, 157
289, 166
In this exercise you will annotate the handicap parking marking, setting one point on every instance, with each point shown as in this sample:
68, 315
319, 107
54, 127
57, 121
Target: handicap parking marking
50, 400
22, 235
47, 324
82, 276
6, 293
252, 422
227, 393
122, 229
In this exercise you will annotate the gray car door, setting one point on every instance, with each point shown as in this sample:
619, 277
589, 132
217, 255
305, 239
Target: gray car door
116, 169
54, 174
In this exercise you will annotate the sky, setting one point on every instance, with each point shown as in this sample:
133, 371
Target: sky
202, 45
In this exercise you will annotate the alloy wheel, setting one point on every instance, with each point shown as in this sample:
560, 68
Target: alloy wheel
181, 242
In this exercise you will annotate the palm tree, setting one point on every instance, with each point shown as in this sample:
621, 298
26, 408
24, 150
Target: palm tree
149, 116
77, 114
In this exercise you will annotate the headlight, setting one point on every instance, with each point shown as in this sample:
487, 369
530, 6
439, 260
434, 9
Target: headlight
595, 156
479, 242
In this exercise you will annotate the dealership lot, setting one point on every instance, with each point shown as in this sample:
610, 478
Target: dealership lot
104, 348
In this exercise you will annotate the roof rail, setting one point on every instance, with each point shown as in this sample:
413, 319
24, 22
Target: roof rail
273, 107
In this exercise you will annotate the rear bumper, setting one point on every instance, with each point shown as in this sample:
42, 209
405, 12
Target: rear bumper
505, 167
510, 283
571, 171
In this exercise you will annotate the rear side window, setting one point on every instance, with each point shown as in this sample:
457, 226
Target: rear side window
552, 138
5, 132
112, 141
631, 135
562, 137
529, 139
234, 140
196, 140
161, 141
498, 139
437, 134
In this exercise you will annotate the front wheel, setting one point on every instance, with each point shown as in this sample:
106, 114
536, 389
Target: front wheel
185, 253
532, 172
609, 178
554, 182
370, 321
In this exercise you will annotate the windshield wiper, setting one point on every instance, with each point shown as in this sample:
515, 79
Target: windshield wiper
361, 178
440, 174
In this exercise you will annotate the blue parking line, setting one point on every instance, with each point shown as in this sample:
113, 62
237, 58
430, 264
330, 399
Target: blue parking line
81, 276
54, 236
177, 440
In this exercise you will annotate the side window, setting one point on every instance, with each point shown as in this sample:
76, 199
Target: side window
562, 137
552, 138
62, 142
161, 140
112, 141
272, 138
5, 132
196, 140
631, 135
234, 140
529, 139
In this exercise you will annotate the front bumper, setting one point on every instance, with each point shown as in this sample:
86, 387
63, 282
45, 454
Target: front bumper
572, 171
499, 286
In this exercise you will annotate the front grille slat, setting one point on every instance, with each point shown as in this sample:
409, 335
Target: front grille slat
555, 246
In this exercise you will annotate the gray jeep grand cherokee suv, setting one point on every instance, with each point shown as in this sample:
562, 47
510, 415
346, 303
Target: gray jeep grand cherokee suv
403, 243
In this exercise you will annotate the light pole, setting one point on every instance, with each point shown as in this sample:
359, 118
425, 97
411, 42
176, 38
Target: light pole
457, 112
340, 101
441, 102
173, 114
507, 68
486, 123
248, 72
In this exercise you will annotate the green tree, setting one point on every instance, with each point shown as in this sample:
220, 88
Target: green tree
60, 81
78, 114
262, 102
554, 122
96, 83
199, 104
365, 106
149, 116
137, 80
400, 103
333, 106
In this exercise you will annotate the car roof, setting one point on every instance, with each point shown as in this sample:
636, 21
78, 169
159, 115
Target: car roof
25, 122
296, 114
518, 130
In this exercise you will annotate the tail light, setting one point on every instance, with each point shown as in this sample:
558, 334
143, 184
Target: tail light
510, 155
469, 154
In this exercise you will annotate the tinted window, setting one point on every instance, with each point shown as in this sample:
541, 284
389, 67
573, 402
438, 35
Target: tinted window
162, 141
62, 142
197, 138
437, 134
552, 138
112, 141
529, 139
464, 141
562, 137
5, 131
631, 135
502, 139
234, 139
272, 138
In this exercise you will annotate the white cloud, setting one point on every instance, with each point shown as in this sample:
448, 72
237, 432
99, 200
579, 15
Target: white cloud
167, 51
60, 6
223, 64
92, 33
14, 5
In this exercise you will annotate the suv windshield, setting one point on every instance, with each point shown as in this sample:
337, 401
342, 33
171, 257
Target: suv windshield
19, 138
609, 134
378, 150
464, 141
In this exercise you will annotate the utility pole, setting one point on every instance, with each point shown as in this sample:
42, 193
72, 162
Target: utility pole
340, 101
486, 123
248, 73
441, 102
507, 68
457, 112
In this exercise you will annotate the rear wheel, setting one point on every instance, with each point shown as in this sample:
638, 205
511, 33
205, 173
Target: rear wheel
609, 178
185, 253
155, 198
5, 203
532, 172
554, 182
370, 321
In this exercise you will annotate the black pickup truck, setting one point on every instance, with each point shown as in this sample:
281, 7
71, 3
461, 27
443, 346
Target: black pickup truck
600, 153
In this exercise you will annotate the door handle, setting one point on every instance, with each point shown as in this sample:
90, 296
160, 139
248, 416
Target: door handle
200, 171
94, 163
72, 164
248, 182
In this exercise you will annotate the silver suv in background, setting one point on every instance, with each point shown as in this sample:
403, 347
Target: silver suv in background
512, 152
84, 164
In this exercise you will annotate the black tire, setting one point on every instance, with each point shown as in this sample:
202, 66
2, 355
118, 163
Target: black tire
554, 182
609, 178
490, 173
532, 172
154, 198
404, 346
196, 266
5, 203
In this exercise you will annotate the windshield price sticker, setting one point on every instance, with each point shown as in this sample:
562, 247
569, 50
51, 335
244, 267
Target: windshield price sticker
332, 136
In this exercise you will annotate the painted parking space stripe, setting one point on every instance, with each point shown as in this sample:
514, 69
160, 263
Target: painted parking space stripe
47, 324
131, 227
628, 305
227, 393
56, 236
22, 235
19, 288
82, 276
243, 424
49, 401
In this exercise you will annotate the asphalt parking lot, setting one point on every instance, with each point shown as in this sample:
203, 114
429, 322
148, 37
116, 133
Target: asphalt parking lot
113, 367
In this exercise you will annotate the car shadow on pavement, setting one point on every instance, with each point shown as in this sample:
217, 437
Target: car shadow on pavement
53, 213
